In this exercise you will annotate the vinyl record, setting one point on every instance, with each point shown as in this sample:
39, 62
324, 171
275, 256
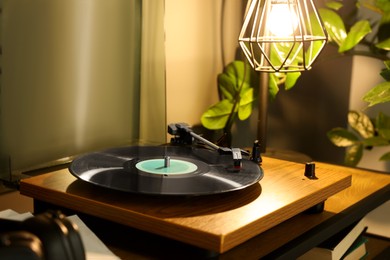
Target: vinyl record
165, 170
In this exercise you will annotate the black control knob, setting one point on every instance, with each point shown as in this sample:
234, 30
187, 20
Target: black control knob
256, 153
310, 170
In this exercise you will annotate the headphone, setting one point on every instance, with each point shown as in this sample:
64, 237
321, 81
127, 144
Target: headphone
45, 236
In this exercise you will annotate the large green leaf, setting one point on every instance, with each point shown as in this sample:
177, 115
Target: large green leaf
361, 123
342, 137
246, 101
384, 5
314, 48
356, 34
237, 97
387, 64
291, 79
226, 85
382, 123
384, 45
285, 54
335, 5
334, 25
216, 116
238, 72
375, 141
385, 157
379, 6
236, 76
273, 85
385, 73
378, 94
353, 155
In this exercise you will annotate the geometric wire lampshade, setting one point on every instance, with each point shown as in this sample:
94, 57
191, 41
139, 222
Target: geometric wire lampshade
282, 35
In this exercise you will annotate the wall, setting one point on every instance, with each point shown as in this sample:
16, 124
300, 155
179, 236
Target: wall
300, 118
193, 54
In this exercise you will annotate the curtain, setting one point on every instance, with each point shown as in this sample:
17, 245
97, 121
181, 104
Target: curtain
153, 91
80, 75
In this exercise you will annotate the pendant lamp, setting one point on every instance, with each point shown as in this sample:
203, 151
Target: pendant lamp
282, 35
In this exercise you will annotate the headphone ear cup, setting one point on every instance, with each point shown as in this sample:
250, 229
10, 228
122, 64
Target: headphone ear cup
16, 245
60, 241
73, 236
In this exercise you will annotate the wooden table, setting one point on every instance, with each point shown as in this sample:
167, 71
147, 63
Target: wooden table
265, 219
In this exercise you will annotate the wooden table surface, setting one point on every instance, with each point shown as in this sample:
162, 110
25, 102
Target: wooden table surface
216, 222
369, 189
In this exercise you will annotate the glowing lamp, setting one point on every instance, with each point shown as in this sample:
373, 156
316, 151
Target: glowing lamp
282, 35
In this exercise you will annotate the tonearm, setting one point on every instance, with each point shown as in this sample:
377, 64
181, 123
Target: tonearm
183, 134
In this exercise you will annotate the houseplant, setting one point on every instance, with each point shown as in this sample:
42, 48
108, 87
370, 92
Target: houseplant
235, 88
369, 38
345, 32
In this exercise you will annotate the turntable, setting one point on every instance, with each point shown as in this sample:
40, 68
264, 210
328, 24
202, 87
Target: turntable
210, 197
180, 169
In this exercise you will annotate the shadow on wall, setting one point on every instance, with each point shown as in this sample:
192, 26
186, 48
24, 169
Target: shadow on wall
299, 118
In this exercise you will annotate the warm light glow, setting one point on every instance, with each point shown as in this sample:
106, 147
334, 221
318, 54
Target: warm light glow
282, 35
282, 20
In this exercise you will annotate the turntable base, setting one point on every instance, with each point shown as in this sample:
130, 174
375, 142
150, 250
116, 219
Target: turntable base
213, 222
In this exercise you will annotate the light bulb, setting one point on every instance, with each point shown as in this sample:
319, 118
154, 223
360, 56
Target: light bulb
282, 20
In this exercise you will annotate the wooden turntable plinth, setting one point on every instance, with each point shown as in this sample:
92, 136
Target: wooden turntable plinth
214, 222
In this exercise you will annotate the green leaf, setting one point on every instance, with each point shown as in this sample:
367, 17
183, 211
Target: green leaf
361, 123
387, 64
334, 25
236, 75
238, 72
237, 97
246, 101
358, 31
273, 86
291, 79
226, 85
384, 133
375, 141
379, 94
216, 116
384, 5
385, 157
353, 155
285, 54
384, 45
382, 123
342, 137
315, 47
335, 5
385, 73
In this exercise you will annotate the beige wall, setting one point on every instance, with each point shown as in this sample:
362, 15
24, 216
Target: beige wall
193, 54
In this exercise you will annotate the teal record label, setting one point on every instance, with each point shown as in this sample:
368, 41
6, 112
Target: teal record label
157, 166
